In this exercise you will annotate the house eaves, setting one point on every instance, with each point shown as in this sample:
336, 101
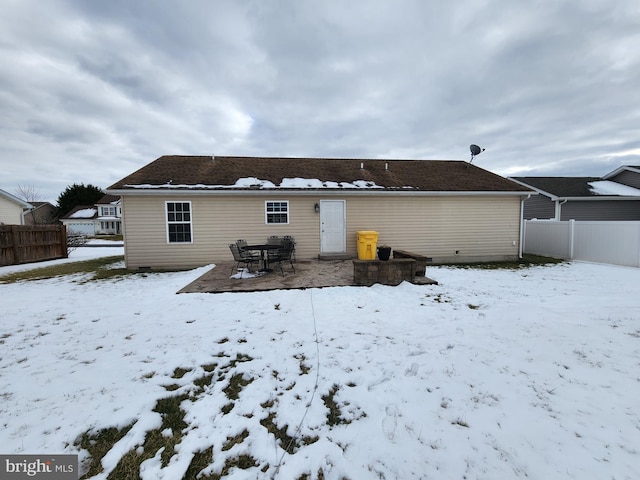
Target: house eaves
311, 192
16, 200
537, 190
599, 197
617, 171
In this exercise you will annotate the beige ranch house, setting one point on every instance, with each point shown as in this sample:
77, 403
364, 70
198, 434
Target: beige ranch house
183, 211
12, 209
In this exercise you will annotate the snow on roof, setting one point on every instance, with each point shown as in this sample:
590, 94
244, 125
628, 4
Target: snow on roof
253, 182
84, 213
607, 187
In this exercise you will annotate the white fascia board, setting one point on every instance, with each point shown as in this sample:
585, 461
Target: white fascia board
620, 170
540, 192
15, 199
599, 197
308, 192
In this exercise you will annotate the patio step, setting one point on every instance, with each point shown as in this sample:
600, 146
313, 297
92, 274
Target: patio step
335, 256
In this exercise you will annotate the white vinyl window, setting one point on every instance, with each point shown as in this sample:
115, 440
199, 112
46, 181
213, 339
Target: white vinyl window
277, 211
178, 222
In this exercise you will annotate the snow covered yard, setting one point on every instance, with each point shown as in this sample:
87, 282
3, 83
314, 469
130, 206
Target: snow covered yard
531, 373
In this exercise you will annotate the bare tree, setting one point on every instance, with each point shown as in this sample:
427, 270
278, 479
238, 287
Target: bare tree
29, 194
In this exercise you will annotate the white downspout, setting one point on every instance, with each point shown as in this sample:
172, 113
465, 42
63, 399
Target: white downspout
520, 247
559, 209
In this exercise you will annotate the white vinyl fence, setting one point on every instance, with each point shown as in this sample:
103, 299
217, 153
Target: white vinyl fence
617, 243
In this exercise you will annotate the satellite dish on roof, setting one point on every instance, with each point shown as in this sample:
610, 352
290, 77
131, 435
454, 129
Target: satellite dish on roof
475, 150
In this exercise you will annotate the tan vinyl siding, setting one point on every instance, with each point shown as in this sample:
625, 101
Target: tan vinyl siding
477, 227
10, 213
216, 222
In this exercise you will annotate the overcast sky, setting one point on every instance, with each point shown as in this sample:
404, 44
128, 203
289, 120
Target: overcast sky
91, 91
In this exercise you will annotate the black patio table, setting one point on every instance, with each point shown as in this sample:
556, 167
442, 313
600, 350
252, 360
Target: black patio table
263, 249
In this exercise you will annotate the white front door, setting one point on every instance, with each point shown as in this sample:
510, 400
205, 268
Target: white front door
332, 226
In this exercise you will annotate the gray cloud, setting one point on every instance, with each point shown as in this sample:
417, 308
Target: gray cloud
91, 91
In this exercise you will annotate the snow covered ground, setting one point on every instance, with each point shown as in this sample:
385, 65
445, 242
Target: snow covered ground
494, 374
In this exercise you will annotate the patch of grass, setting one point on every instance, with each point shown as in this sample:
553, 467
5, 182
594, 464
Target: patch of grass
172, 419
209, 367
93, 270
240, 357
180, 372
286, 442
114, 238
304, 368
460, 422
199, 462
235, 440
525, 262
128, 468
320, 476
334, 417
236, 384
268, 403
171, 413
98, 444
243, 462
203, 381
92, 266
438, 298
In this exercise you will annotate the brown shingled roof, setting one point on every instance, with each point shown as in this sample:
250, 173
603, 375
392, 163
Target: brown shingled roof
107, 199
203, 172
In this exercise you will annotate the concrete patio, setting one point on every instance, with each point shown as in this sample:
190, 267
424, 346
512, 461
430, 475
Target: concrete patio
308, 274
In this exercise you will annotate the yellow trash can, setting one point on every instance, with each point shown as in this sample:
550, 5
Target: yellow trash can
367, 240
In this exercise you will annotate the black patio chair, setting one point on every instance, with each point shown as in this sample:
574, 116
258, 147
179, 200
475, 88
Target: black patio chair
274, 240
283, 254
293, 246
245, 258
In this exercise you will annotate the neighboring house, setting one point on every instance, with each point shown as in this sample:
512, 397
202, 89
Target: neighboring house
12, 209
42, 213
109, 217
183, 211
81, 220
103, 218
616, 196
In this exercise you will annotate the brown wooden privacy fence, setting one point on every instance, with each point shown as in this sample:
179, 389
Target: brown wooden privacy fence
32, 243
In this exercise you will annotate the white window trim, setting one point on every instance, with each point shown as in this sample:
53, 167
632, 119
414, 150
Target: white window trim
266, 213
166, 220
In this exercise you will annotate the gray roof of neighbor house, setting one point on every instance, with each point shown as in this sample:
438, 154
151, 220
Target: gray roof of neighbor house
580, 187
561, 186
264, 173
